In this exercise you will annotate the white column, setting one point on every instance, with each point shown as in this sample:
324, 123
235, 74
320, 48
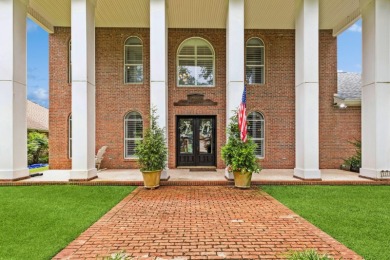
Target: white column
83, 89
307, 90
376, 88
159, 64
13, 127
234, 59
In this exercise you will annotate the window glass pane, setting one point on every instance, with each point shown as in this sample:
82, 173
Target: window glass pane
134, 115
256, 131
133, 132
255, 42
133, 41
186, 130
186, 72
130, 147
187, 50
204, 50
255, 75
134, 129
254, 56
259, 148
206, 136
134, 74
133, 55
205, 72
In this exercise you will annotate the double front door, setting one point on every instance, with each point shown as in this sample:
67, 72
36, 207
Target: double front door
195, 141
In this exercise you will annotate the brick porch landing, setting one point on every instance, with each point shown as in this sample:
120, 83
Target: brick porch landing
201, 223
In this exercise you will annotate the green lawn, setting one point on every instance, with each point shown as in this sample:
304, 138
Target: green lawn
357, 216
36, 222
39, 169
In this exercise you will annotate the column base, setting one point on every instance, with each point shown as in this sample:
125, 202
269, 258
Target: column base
164, 175
80, 175
372, 174
229, 175
14, 175
307, 175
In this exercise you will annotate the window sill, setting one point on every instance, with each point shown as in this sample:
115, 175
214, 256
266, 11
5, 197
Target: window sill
194, 86
130, 159
135, 84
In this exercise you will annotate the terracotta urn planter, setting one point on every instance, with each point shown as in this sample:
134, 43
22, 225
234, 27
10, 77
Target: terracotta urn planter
242, 180
151, 179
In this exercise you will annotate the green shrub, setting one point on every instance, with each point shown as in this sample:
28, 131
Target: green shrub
37, 148
310, 254
355, 161
152, 150
237, 155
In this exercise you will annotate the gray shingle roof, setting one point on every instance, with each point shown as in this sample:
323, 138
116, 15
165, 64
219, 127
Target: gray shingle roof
37, 117
349, 85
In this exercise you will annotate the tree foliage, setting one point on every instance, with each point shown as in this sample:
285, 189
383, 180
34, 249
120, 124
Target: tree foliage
37, 148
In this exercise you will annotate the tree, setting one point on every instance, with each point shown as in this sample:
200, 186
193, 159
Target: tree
37, 147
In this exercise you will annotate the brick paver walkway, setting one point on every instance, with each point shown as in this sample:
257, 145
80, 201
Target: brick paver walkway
201, 223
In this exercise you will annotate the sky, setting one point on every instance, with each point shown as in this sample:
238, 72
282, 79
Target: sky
349, 58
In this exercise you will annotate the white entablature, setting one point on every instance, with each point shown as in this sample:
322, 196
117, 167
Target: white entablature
259, 14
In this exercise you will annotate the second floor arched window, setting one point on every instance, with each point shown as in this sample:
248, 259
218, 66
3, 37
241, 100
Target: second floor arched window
133, 60
255, 68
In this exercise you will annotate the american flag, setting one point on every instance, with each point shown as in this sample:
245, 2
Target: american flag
242, 117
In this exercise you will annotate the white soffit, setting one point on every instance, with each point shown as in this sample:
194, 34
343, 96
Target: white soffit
266, 14
109, 13
123, 13
259, 14
56, 12
337, 13
197, 13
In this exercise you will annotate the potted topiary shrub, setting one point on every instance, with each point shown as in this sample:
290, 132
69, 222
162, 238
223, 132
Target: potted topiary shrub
240, 156
152, 153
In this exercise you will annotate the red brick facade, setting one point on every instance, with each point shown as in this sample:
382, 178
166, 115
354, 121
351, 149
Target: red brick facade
275, 99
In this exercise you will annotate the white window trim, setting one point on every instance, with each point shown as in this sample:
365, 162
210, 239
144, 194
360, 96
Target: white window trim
260, 139
125, 139
195, 59
125, 64
70, 137
259, 66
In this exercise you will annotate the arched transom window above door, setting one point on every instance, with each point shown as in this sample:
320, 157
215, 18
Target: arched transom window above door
195, 63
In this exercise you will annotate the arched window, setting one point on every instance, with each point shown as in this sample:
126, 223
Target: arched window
195, 63
70, 136
256, 129
70, 62
133, 60
255, 61
133, 132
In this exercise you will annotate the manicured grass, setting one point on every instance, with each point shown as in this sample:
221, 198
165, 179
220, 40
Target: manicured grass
36, 222
357, 216
39, 169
